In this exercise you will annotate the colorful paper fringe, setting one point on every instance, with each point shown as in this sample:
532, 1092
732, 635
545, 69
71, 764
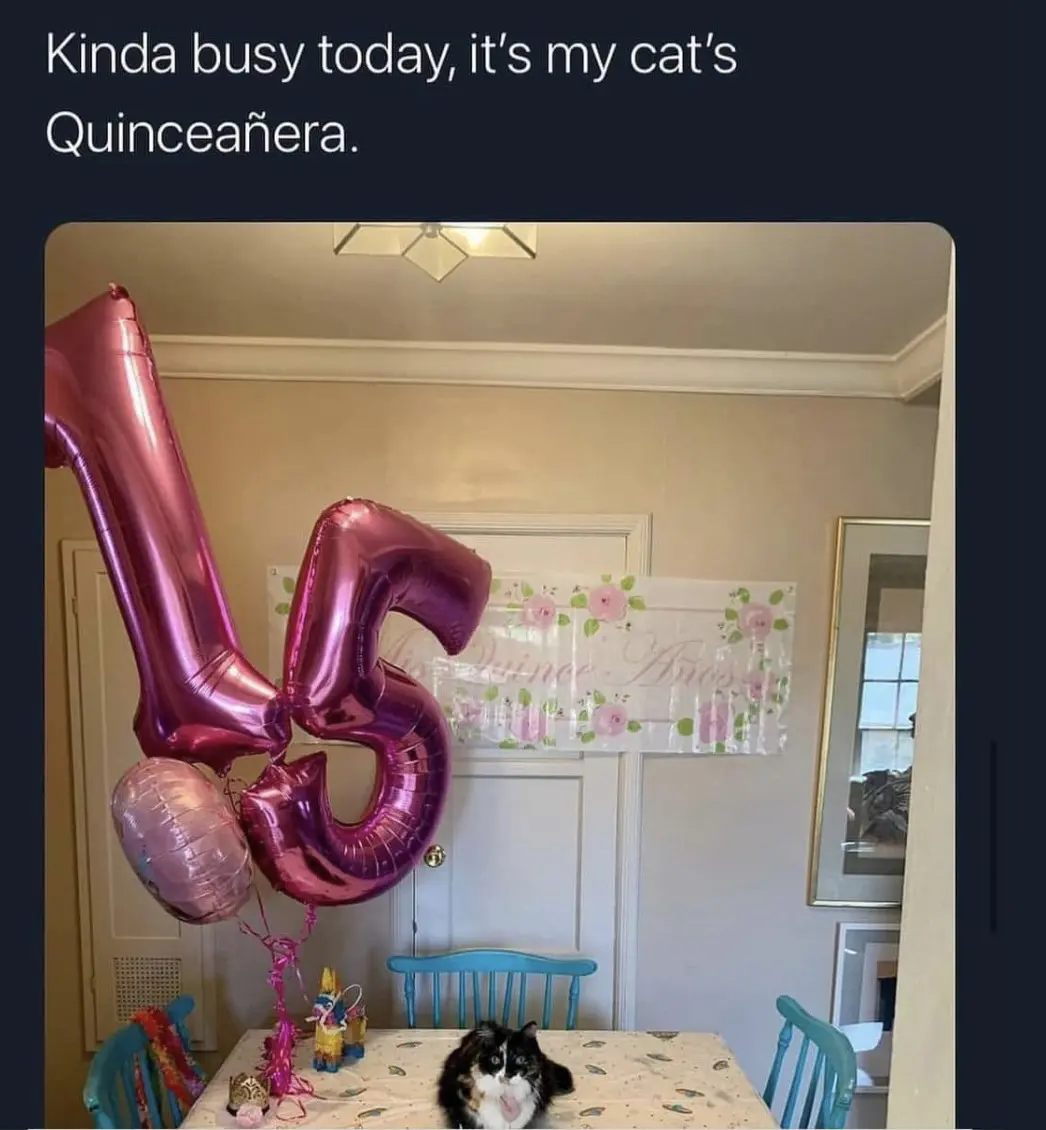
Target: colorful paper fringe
181, 1075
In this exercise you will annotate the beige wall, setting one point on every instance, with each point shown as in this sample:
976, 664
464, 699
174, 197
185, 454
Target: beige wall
739, 487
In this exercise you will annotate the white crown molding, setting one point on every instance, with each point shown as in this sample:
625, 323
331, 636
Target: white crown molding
882, 376
918, 365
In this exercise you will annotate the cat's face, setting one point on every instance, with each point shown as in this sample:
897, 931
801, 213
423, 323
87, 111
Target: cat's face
507, 1056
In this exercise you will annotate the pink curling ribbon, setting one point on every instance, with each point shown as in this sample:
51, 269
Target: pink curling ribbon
278, 1066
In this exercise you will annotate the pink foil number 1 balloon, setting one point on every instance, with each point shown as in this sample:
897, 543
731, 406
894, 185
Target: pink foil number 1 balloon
104, 417
362, 562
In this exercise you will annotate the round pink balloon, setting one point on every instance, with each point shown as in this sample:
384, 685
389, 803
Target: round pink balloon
183, 840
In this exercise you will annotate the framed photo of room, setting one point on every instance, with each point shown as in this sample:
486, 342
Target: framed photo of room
863, 997
860, 819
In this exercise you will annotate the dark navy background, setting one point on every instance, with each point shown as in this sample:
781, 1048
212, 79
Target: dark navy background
837, 111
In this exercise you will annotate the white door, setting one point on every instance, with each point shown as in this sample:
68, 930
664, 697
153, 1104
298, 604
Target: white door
134, 953
530, 842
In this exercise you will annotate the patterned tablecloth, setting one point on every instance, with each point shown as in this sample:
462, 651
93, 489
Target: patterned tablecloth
621, 1079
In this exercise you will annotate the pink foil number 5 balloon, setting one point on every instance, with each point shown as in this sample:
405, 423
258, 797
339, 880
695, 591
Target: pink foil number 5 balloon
363, 561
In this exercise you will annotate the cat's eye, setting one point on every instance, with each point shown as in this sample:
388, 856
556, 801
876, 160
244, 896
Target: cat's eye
520, 1060
495, 1061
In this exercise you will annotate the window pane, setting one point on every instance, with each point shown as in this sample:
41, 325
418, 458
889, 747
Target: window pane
878, 750
905, 748
882, 655
878, 705
913, 645
906, 701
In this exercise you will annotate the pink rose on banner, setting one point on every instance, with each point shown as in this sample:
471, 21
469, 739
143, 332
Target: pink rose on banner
468, 712
609, 720
713, 723
539, 611
608, 602
529, 724
756, 620
759, 686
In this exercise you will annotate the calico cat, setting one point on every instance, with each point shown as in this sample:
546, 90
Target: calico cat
498, 1079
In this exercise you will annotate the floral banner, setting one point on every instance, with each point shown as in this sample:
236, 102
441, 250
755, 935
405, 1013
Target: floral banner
604, 664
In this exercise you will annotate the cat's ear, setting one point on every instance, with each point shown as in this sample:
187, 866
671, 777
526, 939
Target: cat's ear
485, 1030
529, 1030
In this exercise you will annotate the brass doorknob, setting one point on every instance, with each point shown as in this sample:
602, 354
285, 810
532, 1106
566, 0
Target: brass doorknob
435, 856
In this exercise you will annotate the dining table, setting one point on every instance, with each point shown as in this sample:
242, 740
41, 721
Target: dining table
621, 1080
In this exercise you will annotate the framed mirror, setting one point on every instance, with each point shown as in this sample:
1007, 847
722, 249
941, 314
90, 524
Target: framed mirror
860, 826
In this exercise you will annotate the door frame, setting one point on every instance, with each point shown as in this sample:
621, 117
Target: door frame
636, 530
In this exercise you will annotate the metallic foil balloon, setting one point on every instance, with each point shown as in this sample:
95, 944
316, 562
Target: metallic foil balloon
104, 417
363, 561
183, 840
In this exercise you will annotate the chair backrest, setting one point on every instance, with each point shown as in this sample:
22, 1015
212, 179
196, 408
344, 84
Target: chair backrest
833, 1073
473, 967
109, 1093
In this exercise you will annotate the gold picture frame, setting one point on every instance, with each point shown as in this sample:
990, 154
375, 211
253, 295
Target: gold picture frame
859, 825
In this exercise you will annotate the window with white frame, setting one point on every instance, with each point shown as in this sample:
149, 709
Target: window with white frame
889, 695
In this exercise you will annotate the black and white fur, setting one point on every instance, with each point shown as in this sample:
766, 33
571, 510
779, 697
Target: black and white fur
498, 1079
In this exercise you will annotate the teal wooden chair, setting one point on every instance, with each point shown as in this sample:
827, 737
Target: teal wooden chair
109, 1090
833, 1074
473, 967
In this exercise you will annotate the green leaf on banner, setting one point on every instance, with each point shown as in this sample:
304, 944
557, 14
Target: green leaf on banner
525, 697
563, 620
591, 627
288, 584
637, 602
588, 736
720, 747
734, 637
628, 583
777, 596
491, 693
526, 590
730, 613
780, 625
606, 578
744, 596
283, 609
598, 698
508, 743
685, 726
548, 740
550, 707
514, 604
634, 727
582, 715
579, 600
495, 585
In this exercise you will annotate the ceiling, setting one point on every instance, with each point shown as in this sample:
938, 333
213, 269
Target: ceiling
812, 288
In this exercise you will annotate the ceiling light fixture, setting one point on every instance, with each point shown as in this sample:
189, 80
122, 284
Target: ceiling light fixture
437, 248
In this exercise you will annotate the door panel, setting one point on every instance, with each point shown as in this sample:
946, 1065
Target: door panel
491, 824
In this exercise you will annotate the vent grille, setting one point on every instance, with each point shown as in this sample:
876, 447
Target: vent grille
145, 982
